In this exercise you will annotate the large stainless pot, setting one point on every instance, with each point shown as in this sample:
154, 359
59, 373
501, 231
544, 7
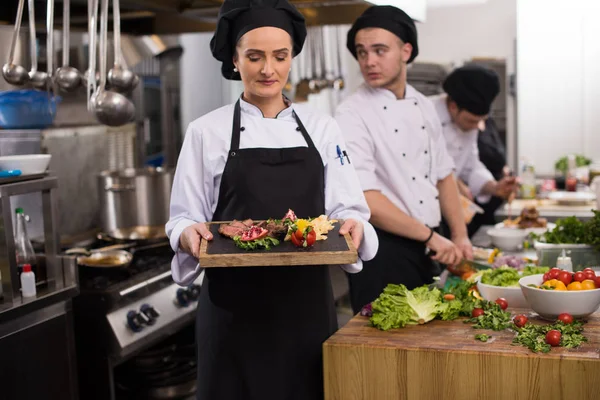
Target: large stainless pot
134, 203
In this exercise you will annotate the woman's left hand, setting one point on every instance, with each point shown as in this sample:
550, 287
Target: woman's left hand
356, 230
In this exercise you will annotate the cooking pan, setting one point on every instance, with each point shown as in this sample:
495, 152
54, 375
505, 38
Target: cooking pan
115, 256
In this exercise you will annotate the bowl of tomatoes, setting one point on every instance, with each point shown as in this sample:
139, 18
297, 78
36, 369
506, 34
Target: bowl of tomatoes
559, 291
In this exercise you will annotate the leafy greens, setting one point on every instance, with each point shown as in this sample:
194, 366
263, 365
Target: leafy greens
265, 243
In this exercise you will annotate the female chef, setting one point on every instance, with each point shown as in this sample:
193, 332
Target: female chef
260, 329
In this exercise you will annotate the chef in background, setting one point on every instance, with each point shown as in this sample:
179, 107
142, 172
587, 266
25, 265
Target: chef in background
462, 109
398, 150
260, 330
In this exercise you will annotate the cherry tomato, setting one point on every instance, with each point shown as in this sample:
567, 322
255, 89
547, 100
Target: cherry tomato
299, 234
520, 320
574, 286
297, 241
588, 284
597, 281
566, 318
553, 337
502, 303
545, 277
477, 312
589, 275
565, 277
579, 276
588, 269
311, 238
553, 273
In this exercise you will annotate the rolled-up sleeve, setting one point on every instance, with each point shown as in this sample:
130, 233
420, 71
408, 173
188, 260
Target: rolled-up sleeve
344, 198
360, 145
190, 202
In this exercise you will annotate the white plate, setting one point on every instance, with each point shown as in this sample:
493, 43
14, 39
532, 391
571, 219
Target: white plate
538, 231
572, 198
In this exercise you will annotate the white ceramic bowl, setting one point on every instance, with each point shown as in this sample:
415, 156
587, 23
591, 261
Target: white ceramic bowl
549, 304
538, 231
513, 295
28, 164
507, 239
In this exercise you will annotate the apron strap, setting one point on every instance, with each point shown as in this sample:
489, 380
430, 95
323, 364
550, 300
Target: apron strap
303, 131
235, 131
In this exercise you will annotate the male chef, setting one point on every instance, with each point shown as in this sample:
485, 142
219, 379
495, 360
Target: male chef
470, 91
400, 156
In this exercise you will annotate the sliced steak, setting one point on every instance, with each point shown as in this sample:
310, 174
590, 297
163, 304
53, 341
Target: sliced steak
248, 222
231, 231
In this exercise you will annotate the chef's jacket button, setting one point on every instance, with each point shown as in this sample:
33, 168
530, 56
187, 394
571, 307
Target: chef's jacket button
298, 128
242, 129
385, 107
414, 178
423, 127
420, 201
403, 154
233, 154
437, 197
415, 103
395, 130
426, 176
425, 151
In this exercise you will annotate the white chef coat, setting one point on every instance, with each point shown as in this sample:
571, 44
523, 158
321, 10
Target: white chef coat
462, 147
398, 148
202, 160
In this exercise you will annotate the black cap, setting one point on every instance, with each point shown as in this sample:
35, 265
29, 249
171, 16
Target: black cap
473, 88
389, 18
237, 17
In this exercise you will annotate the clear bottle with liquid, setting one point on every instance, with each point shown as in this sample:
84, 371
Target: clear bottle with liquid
24, 249
528, 190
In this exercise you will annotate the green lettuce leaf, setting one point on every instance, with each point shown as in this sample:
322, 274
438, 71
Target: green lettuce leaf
264, 243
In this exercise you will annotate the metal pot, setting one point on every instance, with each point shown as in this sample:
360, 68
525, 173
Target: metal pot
134, 203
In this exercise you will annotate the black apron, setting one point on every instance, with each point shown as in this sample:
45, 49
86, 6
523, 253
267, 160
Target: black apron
398, 260
260, 330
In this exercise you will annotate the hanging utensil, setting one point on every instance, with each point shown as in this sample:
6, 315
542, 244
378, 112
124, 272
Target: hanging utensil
67, 78
14, 73
314, 80
323, 82
38, 79
338, 82
302, 87
49, 43
91, 84
120, 78
111, 108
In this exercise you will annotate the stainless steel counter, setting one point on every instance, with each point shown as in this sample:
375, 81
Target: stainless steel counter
548, 209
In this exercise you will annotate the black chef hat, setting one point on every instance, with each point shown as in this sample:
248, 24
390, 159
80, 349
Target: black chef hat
237, 17
473, 88
389, 18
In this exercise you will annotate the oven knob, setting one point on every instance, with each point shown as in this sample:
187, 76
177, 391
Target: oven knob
194, 291
182, 297
149, 312
135, 321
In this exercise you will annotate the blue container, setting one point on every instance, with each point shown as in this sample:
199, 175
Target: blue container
27, 109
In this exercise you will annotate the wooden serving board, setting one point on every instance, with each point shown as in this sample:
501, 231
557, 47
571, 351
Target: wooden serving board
442, 360
221, 251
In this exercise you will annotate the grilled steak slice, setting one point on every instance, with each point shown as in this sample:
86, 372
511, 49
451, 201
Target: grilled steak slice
230, 230
237, 224
248, 222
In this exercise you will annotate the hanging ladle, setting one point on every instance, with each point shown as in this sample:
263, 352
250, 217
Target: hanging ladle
67, 77
338, 82
38, 79
111, 108
120, 78
14, 73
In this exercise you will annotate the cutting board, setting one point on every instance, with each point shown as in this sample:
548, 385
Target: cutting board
442, 360
221, 251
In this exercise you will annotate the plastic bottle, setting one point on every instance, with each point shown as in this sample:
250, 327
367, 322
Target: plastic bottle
28, 282
528, 181
563, 262
24, 249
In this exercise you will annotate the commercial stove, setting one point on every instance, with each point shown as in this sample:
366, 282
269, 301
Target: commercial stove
124, 314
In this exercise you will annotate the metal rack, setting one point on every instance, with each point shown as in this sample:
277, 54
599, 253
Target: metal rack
47, 186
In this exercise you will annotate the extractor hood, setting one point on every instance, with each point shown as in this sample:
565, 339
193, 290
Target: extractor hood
141, 17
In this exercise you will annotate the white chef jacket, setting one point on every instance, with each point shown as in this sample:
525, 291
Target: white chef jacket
462, 147
202, 160
398, 148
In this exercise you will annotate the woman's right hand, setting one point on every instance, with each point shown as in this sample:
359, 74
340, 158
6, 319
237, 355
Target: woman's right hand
446, 252
190, 238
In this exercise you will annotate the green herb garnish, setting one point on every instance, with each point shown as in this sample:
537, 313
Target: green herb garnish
534, 336
482, 337
493, 317
265, 243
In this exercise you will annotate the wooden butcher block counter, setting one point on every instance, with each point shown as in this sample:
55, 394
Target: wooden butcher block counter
441, 360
